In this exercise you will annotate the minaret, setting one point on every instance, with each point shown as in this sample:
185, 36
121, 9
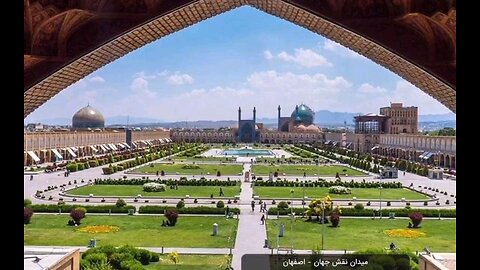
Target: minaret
239, 116
254, 123
279, 109
296, 112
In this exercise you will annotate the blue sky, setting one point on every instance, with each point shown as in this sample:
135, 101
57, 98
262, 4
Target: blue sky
241, 58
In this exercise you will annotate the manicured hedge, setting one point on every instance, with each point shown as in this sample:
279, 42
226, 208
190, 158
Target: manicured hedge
169, 182
323, 183
154, 209
399, 212
142, 157
52, 208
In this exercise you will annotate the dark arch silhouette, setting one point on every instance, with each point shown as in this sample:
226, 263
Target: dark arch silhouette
65, 41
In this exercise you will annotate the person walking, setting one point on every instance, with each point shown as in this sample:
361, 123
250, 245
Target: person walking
221, 192
253, 206
262, 219
31, 177
264, 206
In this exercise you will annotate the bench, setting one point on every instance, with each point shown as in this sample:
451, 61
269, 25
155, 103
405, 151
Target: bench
286, 249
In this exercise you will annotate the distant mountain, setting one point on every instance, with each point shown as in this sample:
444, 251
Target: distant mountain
329, 117
194, 124
58, 121
267, 120
123, 119
322, 117
326, 117
436, 125
437, 117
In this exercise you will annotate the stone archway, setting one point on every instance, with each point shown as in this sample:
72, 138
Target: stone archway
441, 160
66, 41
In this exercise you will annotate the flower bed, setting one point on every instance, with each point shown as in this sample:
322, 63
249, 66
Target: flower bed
154, 187
339, 190
99, 229
407, 233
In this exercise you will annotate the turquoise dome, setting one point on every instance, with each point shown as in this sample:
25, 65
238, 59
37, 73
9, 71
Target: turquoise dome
304, 115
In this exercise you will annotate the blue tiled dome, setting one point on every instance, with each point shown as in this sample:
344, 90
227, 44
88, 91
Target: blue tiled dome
304, 115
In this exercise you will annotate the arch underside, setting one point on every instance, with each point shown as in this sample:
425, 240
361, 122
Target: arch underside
65, 42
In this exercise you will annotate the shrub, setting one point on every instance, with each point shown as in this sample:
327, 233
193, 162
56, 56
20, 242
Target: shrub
96, 258
180, 204
154, 187
283, 205
143, 256
78, 214
416, 219
27, 215
117, 258
358, 206
80, 166
155, 257
334, 219
27, 202
131, 265
156, 209
107, 170
72, 167
120, 203
172, 216
220, 204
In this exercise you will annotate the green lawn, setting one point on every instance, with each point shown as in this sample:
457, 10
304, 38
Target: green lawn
205, 169
143, 231
320, 192
359, 234
134, 190
310, 170
190, 262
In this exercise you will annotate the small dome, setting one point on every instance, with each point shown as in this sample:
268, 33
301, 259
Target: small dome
303, 115
88, 117
300, 127
313, 128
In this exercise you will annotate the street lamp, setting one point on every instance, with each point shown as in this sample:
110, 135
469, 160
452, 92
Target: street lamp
303, 198
323, 222
381, 198
291, 214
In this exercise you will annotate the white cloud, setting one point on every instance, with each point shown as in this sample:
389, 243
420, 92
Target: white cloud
370, 89
303, 57
340, 50
369, 98
139, 84
267, 54
264, 90
96, 79
144, 75
289, 81
179, 79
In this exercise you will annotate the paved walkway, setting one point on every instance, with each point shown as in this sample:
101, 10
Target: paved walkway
251, 234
